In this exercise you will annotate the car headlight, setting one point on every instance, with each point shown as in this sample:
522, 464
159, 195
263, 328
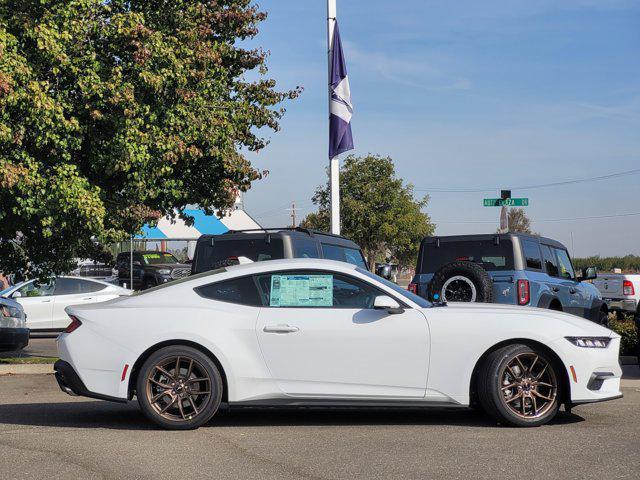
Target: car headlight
590, 342
164, 271
11, 317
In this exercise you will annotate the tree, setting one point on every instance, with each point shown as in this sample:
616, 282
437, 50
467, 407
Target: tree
378, 211
518, 221
114, 113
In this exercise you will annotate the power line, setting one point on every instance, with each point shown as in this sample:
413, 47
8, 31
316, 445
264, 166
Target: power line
531, 187
594, 217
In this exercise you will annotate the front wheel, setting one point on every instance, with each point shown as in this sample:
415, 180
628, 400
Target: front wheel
179, 388
519, 386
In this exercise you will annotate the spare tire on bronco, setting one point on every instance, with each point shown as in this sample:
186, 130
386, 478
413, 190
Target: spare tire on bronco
461, 282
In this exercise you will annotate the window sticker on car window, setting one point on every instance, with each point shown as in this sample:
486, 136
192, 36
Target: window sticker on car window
151, 255
301, 291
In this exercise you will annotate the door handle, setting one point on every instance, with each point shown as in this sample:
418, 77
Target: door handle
280, 329
87, 298
556, 289
46, 301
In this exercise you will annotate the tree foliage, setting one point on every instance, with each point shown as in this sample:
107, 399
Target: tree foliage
628, 263
518, 221
378, 211
113, 113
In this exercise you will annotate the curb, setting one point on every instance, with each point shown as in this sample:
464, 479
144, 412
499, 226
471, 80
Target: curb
26, 369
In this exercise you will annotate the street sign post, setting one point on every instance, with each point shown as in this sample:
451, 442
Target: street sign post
507, 202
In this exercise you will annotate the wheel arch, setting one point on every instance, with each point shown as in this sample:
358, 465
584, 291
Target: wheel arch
135, 370
553, 356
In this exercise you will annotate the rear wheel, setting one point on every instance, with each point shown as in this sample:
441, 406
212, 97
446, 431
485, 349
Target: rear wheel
519, 386
179, 388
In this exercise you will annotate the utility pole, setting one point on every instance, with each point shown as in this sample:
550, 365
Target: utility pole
293, 211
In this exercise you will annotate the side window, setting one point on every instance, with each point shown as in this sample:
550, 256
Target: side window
315, 289
343, 254
237, 290
35, 289
550, 261
71, 286
305, 248
531, 251
564, 264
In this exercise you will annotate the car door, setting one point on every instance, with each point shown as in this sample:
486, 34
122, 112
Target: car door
70, 291
573, 295
37, 300
321, 337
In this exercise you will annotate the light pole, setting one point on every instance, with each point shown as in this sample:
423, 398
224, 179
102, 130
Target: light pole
334, 163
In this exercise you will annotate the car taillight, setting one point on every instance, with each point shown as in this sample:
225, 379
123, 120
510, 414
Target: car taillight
413, 288
73, 326
524, 295
627, 288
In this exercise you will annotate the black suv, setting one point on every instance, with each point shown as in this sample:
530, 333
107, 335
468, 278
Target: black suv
214, 251
150, 268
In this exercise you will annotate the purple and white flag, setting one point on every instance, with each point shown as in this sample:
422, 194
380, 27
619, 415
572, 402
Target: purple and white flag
340, 108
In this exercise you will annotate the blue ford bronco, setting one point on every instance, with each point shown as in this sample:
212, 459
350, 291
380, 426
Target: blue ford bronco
510, 268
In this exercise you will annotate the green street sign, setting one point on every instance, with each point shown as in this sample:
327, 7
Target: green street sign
509, 202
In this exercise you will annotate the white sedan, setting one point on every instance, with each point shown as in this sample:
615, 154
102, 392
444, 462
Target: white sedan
318, 332
44, 303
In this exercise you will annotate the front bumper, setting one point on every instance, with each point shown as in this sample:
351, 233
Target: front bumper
70, 383
13, 339
594, 374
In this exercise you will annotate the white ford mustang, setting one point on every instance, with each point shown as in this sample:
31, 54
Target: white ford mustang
318, 332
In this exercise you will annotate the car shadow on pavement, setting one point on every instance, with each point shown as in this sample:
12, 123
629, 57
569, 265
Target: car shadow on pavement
93, 414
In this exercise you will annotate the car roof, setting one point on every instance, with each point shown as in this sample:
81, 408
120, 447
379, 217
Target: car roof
291, 263
297, 232
491, 236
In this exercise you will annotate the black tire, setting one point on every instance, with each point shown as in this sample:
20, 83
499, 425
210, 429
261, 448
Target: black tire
495, 400
148, 283
469, 274
603, 318
203, 412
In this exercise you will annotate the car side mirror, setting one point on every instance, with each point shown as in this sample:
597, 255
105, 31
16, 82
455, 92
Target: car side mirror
16, 294
137, 263
384, 302
588, 273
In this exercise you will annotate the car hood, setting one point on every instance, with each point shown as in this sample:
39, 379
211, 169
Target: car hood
587, 327
168, 265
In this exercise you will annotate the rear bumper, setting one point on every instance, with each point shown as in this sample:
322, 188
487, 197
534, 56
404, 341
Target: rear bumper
621, 305
70, 383
13, 338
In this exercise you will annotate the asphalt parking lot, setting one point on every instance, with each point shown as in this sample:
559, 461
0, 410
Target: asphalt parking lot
47, 434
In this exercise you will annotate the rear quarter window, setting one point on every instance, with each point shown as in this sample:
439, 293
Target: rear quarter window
486, 253
532, 256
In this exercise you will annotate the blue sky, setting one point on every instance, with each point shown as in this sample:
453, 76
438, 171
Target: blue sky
468, 95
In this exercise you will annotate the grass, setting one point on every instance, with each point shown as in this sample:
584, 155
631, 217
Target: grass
27, 360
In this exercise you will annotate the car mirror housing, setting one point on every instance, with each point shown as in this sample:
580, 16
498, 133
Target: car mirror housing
16, 294
385, 302
588, 273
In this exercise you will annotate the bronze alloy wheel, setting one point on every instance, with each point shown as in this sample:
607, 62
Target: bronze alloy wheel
178, 388
528, 384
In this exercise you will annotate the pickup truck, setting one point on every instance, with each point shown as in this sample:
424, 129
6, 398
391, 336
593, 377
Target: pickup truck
621, 292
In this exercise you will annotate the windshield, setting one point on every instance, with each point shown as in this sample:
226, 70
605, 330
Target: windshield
158, 258
398, 289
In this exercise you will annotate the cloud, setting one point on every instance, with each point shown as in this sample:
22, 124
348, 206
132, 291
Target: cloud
413, 72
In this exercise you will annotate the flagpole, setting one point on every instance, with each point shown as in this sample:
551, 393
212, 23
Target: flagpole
334, 163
